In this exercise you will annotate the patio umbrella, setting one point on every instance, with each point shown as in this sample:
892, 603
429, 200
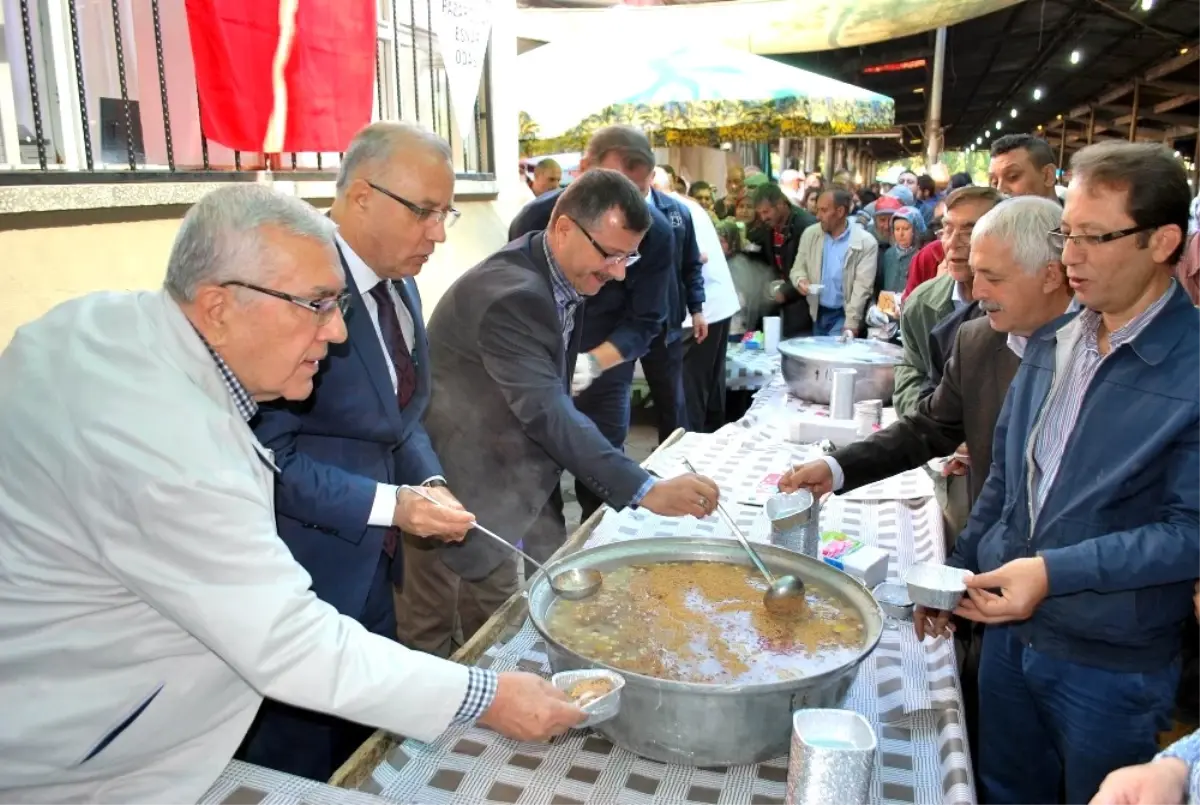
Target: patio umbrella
687, 96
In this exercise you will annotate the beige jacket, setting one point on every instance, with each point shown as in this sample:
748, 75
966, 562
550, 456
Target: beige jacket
147, 604
858, 272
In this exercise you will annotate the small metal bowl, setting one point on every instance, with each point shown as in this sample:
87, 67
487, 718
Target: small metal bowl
893, 600
601, 708
936, 586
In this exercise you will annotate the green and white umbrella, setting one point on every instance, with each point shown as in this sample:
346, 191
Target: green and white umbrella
687, 96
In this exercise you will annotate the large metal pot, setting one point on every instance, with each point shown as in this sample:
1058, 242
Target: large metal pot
808, 365
696, 724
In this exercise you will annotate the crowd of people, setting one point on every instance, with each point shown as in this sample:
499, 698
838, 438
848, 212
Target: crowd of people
261, 481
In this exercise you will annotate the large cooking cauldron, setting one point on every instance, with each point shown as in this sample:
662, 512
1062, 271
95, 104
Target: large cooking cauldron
808, 365
698, 724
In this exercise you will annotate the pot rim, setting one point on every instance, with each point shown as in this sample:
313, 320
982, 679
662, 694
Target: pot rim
872, 616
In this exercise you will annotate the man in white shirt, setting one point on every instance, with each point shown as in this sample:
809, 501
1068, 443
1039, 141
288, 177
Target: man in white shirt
147, 604
347, 450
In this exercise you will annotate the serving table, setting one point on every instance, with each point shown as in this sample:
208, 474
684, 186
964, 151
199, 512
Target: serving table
908, 690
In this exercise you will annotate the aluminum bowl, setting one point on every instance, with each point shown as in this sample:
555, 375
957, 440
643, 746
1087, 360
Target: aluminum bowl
808, 365
936, 586
696, 724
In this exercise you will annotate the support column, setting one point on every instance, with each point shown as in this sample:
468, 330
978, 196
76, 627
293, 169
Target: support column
933, 125
827, 160
1133, 117
1091, 126
1062, 142
810, 154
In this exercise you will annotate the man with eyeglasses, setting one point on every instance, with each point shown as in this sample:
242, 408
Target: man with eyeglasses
627, 314
147, 604
503, 339
1085, 540
347, 452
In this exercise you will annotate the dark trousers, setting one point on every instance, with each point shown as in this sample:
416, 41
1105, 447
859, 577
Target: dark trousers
606, 403
314, 745
1043, 721
663, 367
704, 378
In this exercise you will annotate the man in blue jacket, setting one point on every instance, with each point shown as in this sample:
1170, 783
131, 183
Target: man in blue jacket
1086, 537
626, 315
663, 363
344, 452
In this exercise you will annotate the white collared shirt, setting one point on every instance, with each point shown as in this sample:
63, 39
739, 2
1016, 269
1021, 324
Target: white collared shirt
365, 279
384, 507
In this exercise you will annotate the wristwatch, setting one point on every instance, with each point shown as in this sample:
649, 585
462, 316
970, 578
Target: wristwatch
433, 483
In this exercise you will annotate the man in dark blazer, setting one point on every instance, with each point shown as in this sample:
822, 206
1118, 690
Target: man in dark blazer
503, 341
625, 315
1021, 287
662, 365
344, 451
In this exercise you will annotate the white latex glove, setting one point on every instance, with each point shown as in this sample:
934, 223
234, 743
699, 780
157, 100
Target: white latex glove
586, 371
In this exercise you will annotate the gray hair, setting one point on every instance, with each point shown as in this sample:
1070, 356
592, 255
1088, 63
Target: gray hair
1024, 223
379, 141
221, 240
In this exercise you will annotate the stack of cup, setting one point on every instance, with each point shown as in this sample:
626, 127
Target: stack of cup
841, 394
794, 518
832, 758
771, 329
867, 416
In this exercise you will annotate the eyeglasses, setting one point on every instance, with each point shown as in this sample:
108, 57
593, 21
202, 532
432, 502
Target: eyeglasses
426, 216
1059, 239
610, 259
322, 308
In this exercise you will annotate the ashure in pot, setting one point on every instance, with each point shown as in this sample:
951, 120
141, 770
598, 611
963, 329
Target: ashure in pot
808, 364
724, 723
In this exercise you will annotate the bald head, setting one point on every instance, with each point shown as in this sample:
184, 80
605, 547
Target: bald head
395, 195
379, 144
547, 176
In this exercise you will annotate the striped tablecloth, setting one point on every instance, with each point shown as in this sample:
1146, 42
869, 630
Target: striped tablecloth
908, 690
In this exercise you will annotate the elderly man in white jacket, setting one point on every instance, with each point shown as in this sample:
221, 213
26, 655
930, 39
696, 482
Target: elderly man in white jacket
146, 604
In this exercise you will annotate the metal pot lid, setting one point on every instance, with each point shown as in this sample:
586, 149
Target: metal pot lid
831, 349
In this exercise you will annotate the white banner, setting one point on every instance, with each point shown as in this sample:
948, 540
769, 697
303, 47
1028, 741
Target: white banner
462, 28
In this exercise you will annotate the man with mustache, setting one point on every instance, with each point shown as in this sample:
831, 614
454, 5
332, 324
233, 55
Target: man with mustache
503, 341
1021, 284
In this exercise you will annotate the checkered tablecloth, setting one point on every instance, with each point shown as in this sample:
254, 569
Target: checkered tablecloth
745, 369
908, 690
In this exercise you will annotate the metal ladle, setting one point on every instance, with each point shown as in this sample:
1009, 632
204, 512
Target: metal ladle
573, 585
785, 595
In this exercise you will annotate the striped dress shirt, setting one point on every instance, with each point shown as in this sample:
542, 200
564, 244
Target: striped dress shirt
1062, 405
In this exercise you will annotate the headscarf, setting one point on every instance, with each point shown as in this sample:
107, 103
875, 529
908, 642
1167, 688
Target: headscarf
913, 216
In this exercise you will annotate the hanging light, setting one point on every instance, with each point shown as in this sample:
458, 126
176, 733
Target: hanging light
1037, 93
999, 125
979, 141
987, 133
1147, 5
1012, 112
1076, 56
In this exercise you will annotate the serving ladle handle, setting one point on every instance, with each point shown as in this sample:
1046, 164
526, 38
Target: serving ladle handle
737, 532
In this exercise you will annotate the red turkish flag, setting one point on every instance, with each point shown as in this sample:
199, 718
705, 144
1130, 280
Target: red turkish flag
283, 75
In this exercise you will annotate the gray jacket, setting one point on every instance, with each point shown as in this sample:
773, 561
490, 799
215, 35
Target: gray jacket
501, 417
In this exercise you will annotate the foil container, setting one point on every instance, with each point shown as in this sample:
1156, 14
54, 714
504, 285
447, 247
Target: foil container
600, 709
893, 600
936, 586
832, 758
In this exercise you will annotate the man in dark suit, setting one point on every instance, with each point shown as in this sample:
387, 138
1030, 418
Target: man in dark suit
625, 315
344, 452
663, 363
503, 340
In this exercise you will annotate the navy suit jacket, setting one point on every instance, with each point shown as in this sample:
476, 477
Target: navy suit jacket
686, 293
629, 313
335, 447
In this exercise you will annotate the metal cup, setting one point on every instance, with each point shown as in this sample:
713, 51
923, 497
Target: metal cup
795, 522
841, 397
832, 758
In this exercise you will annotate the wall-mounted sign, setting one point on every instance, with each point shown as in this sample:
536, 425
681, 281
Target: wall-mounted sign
463, 28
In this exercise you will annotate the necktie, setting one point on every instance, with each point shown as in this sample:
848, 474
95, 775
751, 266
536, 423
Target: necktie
393, 337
